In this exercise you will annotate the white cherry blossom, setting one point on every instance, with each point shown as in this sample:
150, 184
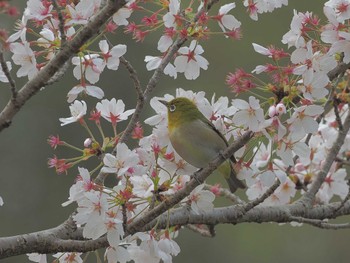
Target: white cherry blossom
112, 56
78, 110
225, 20
24, 57
170, 17
113, 111
190, 61
249, 114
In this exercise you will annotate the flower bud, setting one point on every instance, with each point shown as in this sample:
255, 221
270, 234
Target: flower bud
272, 111
87, 142
280, 109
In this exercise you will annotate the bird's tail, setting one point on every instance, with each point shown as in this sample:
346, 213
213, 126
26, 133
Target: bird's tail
233, 182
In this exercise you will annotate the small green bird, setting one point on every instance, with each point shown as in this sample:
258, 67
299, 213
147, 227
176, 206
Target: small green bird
196, 139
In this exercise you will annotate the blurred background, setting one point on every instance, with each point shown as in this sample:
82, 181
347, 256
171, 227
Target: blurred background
33, 193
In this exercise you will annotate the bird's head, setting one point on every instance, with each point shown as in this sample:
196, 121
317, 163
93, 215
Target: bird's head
181, 110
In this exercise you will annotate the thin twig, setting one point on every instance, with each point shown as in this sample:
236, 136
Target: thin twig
336, 113
125, 217
7, 73
226, 193
140, 98
133, 76
262, 198
319, 223
61, 22
203, 230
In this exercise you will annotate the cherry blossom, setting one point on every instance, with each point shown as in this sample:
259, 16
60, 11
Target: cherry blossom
37, 10
82, 12
291, 146
342, 46
294, 36
78, 110
91, 213
225, 20
334, 184
122, 163
69, 257
201, 200
35, 257
112, 56
113, 111
121, 16
83, 184
256, 7
313, 66
166, 40
24, 57
21, 27
154, 63
190, 60
302, 121
341, 8
90, 66
330, 33
117, 254
170, 17
90, 90
249, 115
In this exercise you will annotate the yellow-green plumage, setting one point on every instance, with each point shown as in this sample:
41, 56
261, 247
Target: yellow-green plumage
196, 139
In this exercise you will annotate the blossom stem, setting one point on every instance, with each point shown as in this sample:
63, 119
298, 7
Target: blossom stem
84, 124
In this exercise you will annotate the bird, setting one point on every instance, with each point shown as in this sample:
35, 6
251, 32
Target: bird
196, 140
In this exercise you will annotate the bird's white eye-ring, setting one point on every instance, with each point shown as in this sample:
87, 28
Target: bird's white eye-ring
172, 108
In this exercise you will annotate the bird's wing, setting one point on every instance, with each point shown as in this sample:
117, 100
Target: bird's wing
212, 126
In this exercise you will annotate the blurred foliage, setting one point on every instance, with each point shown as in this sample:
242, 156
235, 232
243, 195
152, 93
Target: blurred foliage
33, 194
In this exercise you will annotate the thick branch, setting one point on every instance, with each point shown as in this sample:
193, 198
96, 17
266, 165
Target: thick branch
68, 50
259, 214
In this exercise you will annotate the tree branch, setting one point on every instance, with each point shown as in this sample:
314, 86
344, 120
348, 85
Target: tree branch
309, 196
61, 24
7, 73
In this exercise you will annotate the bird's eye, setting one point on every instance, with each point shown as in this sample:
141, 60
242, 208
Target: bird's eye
172, 108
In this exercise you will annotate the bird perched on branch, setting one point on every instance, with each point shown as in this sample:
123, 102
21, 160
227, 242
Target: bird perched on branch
196, 139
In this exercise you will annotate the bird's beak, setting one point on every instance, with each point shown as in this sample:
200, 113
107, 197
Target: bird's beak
164, 102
